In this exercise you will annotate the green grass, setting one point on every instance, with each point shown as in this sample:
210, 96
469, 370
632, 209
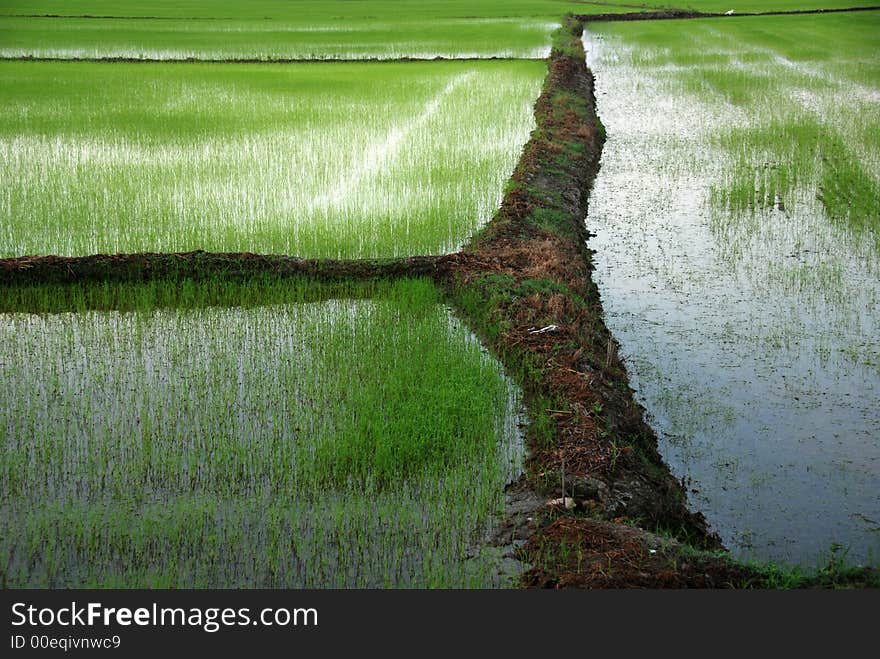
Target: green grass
153, 294
318, 160
289, 445
833, 570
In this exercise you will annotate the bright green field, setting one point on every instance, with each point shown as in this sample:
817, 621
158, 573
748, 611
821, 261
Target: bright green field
288, 445
331, 29
312, 29
318, 160
147, 39
802, 99
279, 30
312, 11
299, 11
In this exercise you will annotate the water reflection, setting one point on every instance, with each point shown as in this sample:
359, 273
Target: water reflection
751, 339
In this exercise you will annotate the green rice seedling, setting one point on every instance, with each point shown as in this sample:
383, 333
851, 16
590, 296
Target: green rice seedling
317, 160
805, 93
331, 39
286, 445
303, 12
722, 6
316, 29
314, 11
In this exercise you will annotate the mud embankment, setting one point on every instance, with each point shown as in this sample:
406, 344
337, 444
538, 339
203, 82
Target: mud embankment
111, 59
528, 292
659, 15
618, 517
199, 265
680, 14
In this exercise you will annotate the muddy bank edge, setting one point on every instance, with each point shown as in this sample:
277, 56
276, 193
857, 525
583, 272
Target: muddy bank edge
621, 518
597, 507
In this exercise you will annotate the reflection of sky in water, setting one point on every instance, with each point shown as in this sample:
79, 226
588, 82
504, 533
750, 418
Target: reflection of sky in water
150, 408
269, 168
752, 341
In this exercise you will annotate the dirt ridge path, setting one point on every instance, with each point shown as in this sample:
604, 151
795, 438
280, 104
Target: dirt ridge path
684, 14
275, 60
201, 265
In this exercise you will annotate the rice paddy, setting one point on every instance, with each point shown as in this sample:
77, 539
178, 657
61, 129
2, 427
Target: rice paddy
315, 160
296, 11
387, 29
169, 40
298, 434
291, 444
265, 433
737, 255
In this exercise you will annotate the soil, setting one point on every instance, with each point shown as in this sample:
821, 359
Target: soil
254, 60
532, 265
675, 14
201, 265
592, 553
659, 15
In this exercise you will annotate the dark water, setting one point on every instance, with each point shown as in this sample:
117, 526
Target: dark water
751, 341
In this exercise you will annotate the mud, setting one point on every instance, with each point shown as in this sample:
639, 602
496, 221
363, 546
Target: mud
678, 14
257, 60
123, 18
532, 270
202, 265
591, 553
661, 15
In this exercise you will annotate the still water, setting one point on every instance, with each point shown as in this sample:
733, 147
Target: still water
752, 342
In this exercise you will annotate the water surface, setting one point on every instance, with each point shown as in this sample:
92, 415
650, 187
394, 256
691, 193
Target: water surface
751, 338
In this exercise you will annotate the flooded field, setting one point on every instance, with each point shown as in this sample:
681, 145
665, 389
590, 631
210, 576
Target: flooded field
169, 40
737, 256
335, 160
285, 444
